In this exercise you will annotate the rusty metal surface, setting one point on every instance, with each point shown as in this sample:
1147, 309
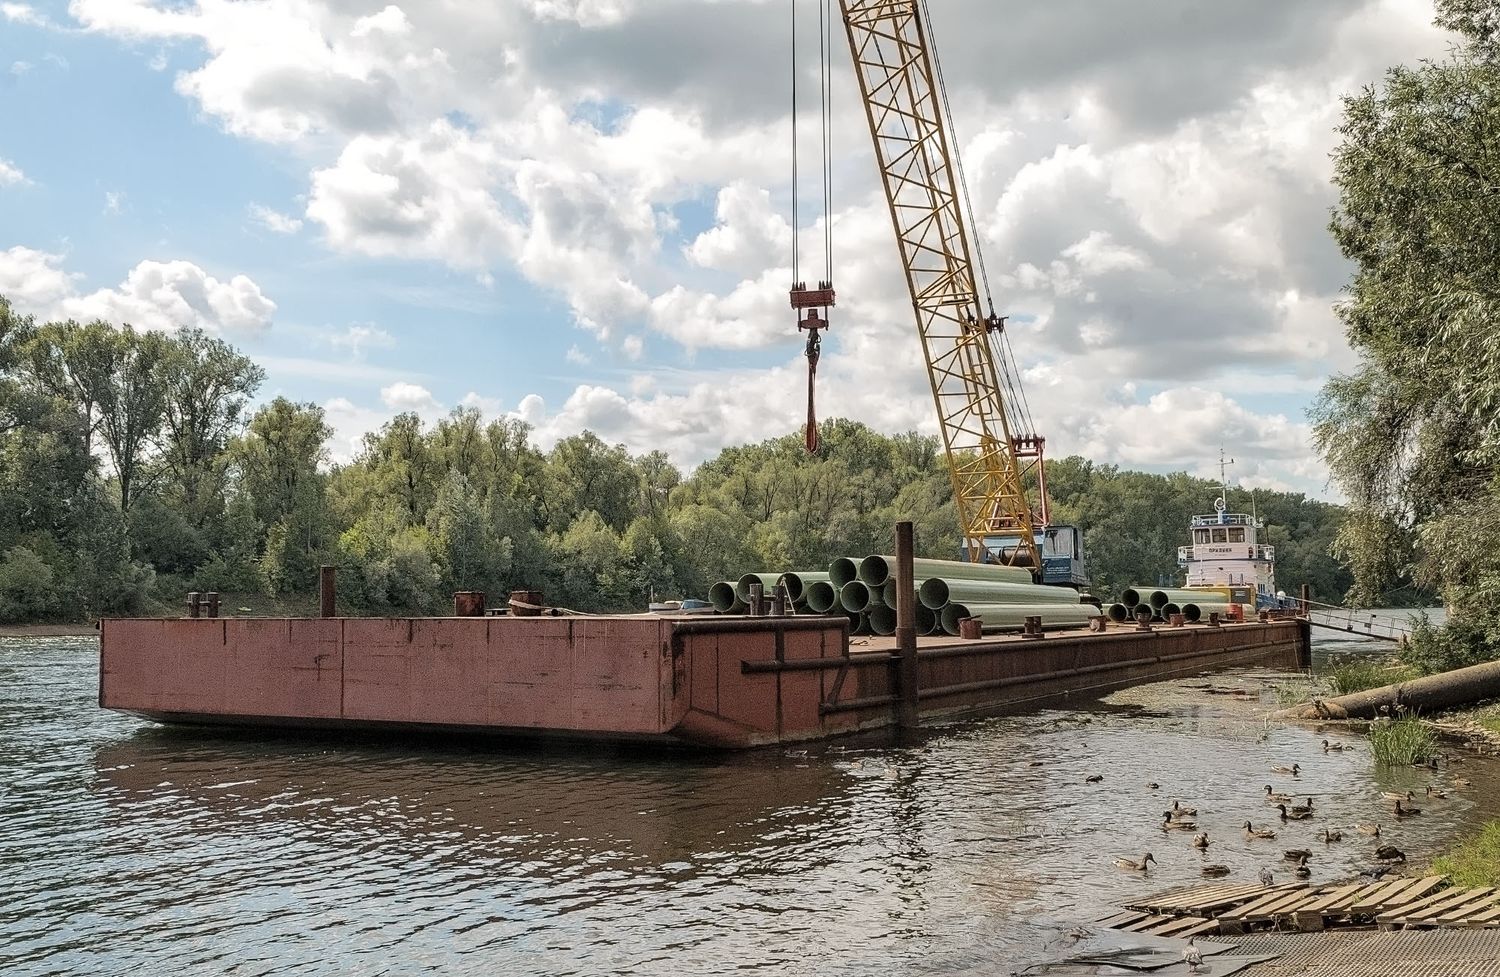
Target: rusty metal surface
1370, 953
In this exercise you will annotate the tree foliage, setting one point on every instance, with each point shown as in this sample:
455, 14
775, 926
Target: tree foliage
1413, 434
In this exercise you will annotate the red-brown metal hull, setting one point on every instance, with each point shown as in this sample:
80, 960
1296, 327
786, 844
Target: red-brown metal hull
721, 682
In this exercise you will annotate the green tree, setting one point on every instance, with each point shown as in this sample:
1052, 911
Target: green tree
278, 461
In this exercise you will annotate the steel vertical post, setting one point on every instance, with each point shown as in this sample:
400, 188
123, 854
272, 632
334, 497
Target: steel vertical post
327, 589
906, 625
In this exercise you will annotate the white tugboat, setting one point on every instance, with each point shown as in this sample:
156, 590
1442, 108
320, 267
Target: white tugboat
1226, 553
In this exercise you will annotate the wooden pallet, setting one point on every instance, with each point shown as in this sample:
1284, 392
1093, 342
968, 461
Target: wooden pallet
1347, 902
1198, 898
1155, 924
1449, 907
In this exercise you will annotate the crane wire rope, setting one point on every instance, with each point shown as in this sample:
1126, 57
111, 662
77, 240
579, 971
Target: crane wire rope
1016, 405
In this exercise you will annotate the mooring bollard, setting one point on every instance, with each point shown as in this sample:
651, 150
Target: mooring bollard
194, 604
756, 602
1032, 628
1177, 621
971, 628
213, 603
468, 603
1213, 619
327, 590
1143, 618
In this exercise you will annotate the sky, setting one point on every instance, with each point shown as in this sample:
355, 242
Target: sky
578, 212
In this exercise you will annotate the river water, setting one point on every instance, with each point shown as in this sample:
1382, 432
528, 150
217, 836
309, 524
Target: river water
129, 848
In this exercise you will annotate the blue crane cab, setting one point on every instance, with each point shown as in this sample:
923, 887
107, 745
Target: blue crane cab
1062, 555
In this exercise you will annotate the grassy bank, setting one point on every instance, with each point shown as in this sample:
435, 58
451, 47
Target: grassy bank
1475, 861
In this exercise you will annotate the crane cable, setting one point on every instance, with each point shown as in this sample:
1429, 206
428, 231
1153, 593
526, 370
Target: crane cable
825, 104
1017, 408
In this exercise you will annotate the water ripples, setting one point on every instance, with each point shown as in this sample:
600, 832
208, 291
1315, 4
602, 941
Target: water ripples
130, 848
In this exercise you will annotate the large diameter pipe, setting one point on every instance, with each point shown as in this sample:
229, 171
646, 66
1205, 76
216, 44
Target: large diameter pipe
843, 570
1161, 597
821, 597
1196, 611
1168, 609
859, 623
882, 619
1119, 613
767, 583
1461, 686
796, 582
1131, 596
856, 597
937, 591
876, 570
998, 617
725, 597
927, 621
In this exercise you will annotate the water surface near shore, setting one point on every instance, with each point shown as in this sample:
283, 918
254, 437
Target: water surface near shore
129, 847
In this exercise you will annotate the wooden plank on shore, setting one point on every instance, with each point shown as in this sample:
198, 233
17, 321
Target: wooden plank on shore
1147, 924
1455, 915
1490, 917
1178, 925
1207, 926
1397, 893
1269, 907
1333, 898
1424, 910
1121, 919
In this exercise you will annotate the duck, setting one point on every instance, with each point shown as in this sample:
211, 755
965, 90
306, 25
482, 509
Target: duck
1167, 824
1134, 866
1277, 798
1215, 871
1266, 878
1373, 830
1333, 747
1094, 778
1390, 853
1392, 795
1200, 841
1436, 794
1153, 786
1328, 837
1252, 832
1302, 810
1178, 811
1302, 871
1462, 782
1294, 769
1406, 812
1296, 854
1295, 814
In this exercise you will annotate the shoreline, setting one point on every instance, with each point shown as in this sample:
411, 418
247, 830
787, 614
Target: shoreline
48, 631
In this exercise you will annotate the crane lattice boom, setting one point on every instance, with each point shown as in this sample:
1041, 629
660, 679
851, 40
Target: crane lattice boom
894, 63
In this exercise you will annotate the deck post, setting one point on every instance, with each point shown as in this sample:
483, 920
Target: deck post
1306, 599
906, 626
326, 590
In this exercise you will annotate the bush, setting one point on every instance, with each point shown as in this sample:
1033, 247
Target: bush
1463, 641
26, 591
1401, 742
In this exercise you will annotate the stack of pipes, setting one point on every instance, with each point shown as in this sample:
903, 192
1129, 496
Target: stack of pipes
1161, 603
948, 591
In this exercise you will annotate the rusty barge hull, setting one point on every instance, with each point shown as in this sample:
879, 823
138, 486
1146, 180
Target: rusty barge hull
722, 682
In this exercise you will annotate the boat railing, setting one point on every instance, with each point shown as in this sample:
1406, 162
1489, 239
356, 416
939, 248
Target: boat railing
1356, 620
1251, 551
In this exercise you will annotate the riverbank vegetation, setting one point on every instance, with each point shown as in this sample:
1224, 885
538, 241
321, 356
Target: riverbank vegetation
135, 467
1412, 436
1475, 861
1401, 742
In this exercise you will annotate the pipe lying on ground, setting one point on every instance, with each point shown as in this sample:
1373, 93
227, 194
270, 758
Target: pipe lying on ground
1168, 609
1199, 611
843, 570
855, 597
796, 582
1119, 613
767, 585
876, 570
725, 598
1458, 687
1000, 617
859, 623
1131, 596
937, 591
821, 597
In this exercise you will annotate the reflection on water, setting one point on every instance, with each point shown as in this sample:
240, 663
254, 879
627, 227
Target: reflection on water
130, 847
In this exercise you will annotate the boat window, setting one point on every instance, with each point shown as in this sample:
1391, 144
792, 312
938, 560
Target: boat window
1236, 535
1200, 535
1219, 536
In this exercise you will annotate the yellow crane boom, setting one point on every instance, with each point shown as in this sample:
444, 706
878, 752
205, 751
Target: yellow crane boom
893, 60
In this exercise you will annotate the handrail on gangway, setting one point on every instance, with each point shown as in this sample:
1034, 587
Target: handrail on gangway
1354, 620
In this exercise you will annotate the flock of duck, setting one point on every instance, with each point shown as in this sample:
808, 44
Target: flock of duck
1183, 820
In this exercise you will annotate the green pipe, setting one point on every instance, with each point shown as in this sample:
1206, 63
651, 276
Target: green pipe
1196, 611
1119, 613
725, 598
1162, 597
927, 621
859, 623
796, 582
875, 570
882, 620
1168, 609
767, 585
1013, 616
856, 597
937, 591
1131, 597
821, 597
843, 570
